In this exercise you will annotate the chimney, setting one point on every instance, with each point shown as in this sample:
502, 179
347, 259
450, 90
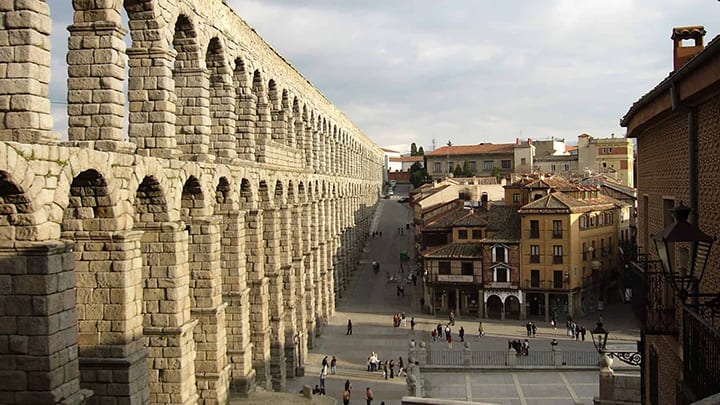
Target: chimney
682, 54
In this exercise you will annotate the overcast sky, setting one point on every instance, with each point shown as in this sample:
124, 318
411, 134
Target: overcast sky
473, 71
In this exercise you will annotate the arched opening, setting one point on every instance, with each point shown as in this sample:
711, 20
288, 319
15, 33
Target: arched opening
512, 307
222, 113
17, 222
494, 307
245, 110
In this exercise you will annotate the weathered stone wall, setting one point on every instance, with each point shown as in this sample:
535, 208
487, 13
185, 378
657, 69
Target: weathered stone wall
196, 253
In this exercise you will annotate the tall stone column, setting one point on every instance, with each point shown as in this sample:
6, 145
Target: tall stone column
274, 274
25, 73
236, 294
290, 222
223, 116
259, 298
247, 119
311, 285
96, 73
113, 359
279, 126
152, 107
39, 328
193, 114
212, 371
167, 323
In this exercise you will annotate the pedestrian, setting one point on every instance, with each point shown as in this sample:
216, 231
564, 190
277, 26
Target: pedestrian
349, 328
412, 324
403, 321
333, 363
526, 347
368, 396
528, 327
554, 344
422, 303
434, 335
461, 333
392, 368
534, 329
553, 323
582, 332
385, 369
323, 376
447, 332
346, 397
481, 330
439, 330
401, 367
324, 362
414, 279
449, 340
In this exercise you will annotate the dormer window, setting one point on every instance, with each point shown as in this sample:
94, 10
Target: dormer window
499, 254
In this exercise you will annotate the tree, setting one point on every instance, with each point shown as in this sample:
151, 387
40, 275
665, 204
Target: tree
457, 171
496, 174
466, 170
421, 151
413, 149
418, 174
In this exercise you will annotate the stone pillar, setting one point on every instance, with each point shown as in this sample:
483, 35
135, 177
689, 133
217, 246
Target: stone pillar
263, 126
247, 118
311, 272
279, 125
39, 327
25, 73
212, 371
237, 295
547, 306
223, 116
167, 324
152, 111
96, 73
259, 302
113, 359
274, 274
193, 113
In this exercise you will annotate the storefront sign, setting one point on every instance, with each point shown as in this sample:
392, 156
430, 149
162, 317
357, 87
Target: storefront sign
454, 278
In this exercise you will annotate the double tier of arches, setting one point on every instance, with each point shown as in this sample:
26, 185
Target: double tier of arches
200, 280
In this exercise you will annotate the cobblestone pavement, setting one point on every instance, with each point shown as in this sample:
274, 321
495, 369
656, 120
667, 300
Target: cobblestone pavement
370, 301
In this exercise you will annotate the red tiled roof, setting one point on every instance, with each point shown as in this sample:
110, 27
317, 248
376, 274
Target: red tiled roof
407, 159
473, 149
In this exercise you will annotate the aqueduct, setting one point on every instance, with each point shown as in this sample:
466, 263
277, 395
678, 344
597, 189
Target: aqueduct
194, 252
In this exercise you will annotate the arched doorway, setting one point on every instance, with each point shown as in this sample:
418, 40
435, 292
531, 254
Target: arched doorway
494, 307
512, 307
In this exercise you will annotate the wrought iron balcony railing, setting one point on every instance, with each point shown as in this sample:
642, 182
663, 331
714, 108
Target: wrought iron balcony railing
701, 354
652, 297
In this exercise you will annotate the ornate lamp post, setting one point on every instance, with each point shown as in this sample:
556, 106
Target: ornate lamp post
600, 335
683, 250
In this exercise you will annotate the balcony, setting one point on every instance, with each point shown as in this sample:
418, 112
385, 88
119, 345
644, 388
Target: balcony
532, 284
453, 278
653, 300
701, 352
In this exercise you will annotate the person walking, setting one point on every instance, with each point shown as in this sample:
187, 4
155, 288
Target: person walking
323, 377
534, 329
368, 396
346, 397
481, 330
461, 333
412, 323
349, 328
333, 363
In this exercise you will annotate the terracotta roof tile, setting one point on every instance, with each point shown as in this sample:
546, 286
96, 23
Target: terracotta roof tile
456, 250
482, 148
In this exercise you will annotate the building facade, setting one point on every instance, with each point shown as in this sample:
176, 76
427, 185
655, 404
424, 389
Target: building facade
676, 127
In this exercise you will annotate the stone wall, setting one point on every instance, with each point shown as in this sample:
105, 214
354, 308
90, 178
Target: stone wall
195, 254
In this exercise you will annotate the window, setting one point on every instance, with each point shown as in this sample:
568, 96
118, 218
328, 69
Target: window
473, 165
534, 229
557, 279
566, 167
583, 222
537, 197
535, 278
501, 274
534, 253
499, 254
601, 219
594, 252
610, 245
451, 166
444, 268
523, 161
557, 230
477, 233
437, 167
584, 251
516, 197
466, 268
488, 165
506, 164
557, 254
462, 234
602, 247
553, 168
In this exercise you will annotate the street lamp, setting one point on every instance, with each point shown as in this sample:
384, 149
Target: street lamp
600, 335
683, 250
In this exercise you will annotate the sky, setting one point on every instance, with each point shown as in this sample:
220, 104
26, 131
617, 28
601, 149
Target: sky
467, 71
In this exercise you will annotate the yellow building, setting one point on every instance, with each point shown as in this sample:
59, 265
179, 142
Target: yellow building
568, 246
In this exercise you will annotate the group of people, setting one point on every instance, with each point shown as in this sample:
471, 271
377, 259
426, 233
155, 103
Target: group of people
522, 348
386, 366
399, 320
575, 330
376, 234
531, 328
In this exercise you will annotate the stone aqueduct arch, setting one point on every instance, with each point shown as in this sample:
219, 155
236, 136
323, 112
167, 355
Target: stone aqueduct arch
196, 253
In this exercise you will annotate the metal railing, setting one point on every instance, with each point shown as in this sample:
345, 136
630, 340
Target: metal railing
506, 358
701, 353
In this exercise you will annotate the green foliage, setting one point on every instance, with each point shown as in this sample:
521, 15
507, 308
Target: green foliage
457, 171
421, 151
413, 149
496, 173
418, 175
